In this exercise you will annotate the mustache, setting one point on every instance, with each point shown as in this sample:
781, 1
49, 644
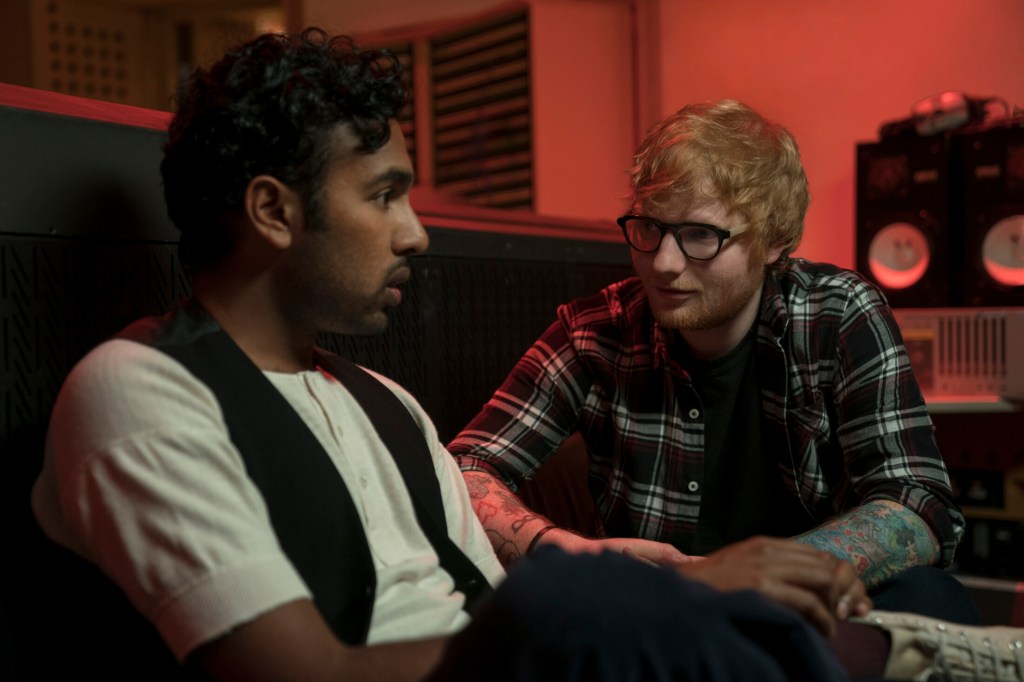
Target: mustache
400, 272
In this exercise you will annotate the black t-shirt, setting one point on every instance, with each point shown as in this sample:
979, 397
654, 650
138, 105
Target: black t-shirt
743, 490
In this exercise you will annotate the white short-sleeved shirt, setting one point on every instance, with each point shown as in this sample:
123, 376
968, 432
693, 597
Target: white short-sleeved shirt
141, 478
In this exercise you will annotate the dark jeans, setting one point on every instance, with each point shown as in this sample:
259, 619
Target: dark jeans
610, 618
927, 591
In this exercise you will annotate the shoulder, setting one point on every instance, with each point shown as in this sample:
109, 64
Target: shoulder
122, 388
606, 326
400, 391
621, 305
120, 367
805, 275
826, 286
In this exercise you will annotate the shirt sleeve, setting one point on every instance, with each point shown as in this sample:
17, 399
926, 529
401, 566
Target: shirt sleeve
884, 428
530, 415
141, 478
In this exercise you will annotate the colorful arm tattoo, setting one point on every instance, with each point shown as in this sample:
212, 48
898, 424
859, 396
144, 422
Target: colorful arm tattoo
880, 539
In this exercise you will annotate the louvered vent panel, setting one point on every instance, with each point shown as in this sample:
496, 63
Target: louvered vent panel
481, 96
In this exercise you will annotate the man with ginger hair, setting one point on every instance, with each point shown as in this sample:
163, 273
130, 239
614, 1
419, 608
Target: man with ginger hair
727, 391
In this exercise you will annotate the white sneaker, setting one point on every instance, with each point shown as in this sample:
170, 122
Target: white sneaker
937, 651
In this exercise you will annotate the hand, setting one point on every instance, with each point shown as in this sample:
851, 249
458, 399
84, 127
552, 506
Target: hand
650, 551
814, 583
849, 592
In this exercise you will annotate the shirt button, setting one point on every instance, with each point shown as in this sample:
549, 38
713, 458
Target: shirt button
694, 413
692, 486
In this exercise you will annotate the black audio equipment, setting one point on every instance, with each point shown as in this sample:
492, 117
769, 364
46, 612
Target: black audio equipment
991, 175
908, 242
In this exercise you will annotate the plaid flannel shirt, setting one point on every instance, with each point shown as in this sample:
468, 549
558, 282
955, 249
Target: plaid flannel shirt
842, 413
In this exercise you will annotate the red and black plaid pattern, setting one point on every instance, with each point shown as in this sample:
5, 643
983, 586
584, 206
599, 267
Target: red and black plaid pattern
843, 415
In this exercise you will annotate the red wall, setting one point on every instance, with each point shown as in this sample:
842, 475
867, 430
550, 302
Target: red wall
832, 71
829, 70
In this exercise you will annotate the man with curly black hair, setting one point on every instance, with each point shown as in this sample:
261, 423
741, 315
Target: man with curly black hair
195, 458
270, 109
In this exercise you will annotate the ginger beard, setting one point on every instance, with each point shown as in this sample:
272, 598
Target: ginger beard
715, 296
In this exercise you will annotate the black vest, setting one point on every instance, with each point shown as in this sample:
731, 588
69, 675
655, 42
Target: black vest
92, 628
310, 508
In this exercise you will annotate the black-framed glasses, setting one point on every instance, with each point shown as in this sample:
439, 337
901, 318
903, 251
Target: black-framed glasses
699, 241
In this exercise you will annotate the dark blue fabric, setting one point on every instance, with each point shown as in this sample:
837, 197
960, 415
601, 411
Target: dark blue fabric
927, 591
610, 618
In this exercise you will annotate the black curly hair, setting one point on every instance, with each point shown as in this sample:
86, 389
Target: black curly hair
267, 108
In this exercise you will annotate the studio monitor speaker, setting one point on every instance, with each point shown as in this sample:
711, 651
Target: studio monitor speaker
905, 241
991, 168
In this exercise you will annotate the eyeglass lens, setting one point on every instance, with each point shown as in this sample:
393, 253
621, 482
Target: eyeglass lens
696, 241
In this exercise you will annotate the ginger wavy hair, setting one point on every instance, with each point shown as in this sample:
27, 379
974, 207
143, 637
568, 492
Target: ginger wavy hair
726, 151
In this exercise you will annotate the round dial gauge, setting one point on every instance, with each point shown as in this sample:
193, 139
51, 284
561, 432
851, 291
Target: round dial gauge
899, 255
1002, 251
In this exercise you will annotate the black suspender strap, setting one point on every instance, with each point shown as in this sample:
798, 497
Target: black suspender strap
311, 510
404, 440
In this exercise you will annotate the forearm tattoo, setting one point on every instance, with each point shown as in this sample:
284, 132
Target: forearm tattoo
880, 539
507, 521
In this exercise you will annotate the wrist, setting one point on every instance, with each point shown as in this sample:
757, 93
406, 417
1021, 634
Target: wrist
568, 540
538, 536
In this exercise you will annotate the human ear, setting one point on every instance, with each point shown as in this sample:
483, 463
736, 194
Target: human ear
773, 253
273, 209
